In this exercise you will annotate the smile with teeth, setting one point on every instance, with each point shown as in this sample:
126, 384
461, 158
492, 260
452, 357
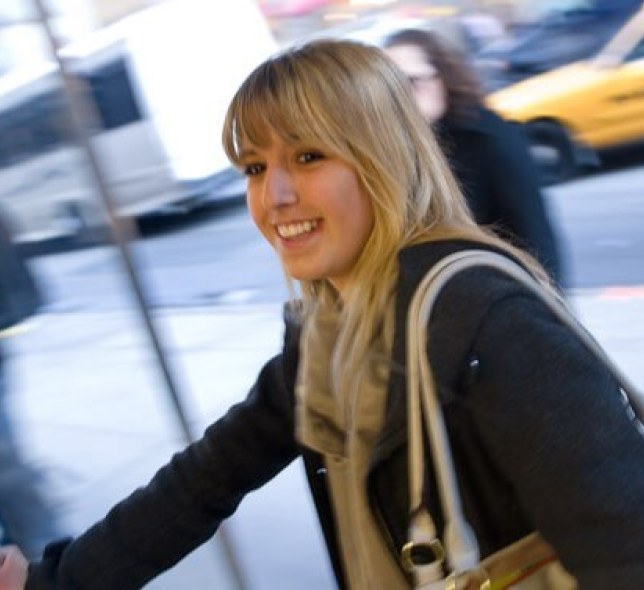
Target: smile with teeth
294, 230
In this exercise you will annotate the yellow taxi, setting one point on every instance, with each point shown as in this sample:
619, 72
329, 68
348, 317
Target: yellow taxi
573, 112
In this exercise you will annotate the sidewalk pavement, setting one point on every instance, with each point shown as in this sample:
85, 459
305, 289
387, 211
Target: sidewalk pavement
93, 411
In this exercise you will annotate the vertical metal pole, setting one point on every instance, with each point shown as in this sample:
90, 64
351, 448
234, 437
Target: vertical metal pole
122, 229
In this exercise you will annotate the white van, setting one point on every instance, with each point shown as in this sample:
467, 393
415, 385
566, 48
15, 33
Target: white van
160, 80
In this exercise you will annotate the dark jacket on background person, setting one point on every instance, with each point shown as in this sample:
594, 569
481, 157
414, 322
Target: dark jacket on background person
540, 437
19, 296
491, 161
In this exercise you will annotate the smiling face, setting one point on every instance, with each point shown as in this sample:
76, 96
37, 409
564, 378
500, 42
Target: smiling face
310, 206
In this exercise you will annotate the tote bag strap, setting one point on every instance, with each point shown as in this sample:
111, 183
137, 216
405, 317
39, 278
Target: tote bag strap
459, 546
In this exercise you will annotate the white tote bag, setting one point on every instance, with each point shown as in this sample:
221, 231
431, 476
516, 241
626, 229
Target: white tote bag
528, 564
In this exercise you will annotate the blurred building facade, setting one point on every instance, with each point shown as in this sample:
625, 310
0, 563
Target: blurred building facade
20, 39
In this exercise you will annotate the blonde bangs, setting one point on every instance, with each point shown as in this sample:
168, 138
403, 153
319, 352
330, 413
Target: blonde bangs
276, 99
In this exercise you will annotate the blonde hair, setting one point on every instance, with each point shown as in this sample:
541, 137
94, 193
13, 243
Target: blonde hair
350, 99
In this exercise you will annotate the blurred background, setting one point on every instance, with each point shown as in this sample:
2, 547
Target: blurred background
159, 299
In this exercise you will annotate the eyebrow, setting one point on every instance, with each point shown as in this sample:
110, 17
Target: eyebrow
247, 153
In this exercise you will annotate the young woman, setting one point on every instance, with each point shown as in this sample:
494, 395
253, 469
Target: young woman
351, 190
488, 156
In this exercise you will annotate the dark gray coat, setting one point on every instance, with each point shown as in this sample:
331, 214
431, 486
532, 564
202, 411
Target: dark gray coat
540, 437
492, 163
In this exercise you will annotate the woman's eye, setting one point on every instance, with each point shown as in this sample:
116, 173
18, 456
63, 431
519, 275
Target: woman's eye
253, 169
307, 157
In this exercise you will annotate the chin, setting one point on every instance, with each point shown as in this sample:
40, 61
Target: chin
303, 275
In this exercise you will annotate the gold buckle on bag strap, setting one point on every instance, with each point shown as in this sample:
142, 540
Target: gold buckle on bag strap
415, 554
471, 580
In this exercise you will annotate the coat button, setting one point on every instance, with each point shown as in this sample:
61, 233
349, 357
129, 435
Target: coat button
472, 371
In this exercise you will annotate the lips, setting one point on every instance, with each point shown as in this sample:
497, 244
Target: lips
296, 229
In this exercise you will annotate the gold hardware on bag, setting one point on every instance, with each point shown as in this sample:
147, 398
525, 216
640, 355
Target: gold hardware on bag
431, 552
477, 579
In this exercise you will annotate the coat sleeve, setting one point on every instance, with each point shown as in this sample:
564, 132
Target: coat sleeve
552, 420
186, 500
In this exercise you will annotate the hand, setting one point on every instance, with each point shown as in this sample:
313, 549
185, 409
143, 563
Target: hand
13, 568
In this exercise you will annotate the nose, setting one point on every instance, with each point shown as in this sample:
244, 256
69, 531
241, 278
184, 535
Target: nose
278, 187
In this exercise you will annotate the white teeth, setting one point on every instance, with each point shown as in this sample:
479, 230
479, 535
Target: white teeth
292, 230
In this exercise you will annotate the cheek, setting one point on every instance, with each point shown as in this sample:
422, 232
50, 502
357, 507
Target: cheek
253, 202
430, 102
258, 212
360, 219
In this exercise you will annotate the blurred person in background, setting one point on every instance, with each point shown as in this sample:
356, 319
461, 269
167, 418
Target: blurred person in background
26, 516
489, 156
355, 196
